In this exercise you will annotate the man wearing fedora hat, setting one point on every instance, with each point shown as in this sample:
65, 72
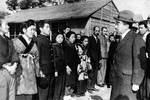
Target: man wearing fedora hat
125, 81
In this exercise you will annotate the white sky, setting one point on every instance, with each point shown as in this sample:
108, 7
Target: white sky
137, 6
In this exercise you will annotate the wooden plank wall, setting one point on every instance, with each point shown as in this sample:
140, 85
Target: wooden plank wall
105, 17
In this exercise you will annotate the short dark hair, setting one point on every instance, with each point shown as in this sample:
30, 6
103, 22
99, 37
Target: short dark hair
66, 27
70, 33
144, 22
29, 23
84, 37
42, 23
23, 25
95, 27
103, 28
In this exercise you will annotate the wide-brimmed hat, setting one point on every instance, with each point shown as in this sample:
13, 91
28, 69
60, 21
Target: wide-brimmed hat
126, 16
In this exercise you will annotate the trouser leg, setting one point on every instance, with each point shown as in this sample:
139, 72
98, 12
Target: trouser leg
59, 87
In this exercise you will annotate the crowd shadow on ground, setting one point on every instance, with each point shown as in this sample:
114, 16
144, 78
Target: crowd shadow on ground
96, 97
122, 97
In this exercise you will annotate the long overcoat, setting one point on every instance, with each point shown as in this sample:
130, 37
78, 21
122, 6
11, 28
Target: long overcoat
128, 64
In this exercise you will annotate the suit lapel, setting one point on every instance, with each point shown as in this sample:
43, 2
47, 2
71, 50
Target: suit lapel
124, 40
94, 39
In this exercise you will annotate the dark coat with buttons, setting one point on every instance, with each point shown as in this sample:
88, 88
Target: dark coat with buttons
94, 51
7, 52
59, 59
128, 66
46, 55
72, 60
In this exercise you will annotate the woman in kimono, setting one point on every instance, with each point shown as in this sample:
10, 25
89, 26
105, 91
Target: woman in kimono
29, 61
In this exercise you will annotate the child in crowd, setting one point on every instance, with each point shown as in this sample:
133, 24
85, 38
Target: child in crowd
83, 67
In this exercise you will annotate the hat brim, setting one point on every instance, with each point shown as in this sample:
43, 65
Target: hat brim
123, 19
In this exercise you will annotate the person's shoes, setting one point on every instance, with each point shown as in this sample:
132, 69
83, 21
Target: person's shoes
90, 91
101, 85
79, 95
73, 95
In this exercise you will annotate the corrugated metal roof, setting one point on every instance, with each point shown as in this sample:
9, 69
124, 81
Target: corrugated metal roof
66, 11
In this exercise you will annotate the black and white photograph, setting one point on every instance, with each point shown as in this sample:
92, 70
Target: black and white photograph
74, 49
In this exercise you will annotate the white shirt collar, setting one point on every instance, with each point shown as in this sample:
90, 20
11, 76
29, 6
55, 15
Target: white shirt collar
26, 38
124, 34
145, 36
94, 36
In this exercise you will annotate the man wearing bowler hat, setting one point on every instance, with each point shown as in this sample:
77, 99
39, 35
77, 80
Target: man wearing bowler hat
127, 76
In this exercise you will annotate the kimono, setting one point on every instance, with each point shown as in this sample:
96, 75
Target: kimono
29, 61
85, 65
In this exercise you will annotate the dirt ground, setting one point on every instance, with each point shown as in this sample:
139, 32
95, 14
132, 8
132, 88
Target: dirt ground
102, 94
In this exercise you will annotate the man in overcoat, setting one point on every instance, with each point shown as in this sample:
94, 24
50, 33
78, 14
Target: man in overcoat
128, 73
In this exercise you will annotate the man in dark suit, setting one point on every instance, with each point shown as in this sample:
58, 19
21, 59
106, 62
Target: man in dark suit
128, 57
95, 56
46, 60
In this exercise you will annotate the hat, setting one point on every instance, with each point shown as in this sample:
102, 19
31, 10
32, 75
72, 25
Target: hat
126, 16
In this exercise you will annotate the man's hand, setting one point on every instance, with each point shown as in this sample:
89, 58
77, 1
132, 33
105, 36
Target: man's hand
11, 68
68, 69
56, 74
135, 87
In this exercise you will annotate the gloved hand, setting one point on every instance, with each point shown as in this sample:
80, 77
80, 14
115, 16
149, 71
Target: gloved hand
68, 70
135, 87
56, 74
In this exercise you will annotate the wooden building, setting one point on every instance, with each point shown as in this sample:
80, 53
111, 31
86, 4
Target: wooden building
79, 16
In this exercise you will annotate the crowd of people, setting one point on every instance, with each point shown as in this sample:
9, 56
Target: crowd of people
65, 64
